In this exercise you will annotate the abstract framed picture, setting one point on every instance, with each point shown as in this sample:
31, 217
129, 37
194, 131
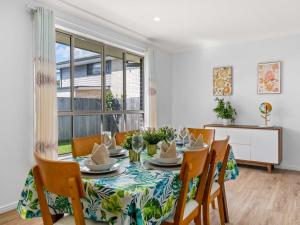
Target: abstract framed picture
222, 81
268, 81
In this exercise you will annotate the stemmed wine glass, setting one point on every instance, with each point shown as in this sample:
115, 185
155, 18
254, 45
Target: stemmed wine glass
106, 143
137, 145
182, 134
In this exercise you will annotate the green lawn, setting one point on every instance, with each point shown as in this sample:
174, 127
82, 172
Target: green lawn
64, 147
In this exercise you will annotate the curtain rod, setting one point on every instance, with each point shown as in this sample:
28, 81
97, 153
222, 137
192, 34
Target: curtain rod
109, 40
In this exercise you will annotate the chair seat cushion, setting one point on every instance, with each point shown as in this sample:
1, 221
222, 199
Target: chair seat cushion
215, 186
189, 207
70, 220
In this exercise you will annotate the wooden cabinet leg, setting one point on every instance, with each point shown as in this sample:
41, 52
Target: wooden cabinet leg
269, 167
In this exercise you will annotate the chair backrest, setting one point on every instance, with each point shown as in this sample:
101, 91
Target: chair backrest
82, 146
120, 136
221, 149
208, 134
195, 163
61, 178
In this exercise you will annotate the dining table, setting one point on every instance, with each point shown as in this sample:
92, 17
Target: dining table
137, 194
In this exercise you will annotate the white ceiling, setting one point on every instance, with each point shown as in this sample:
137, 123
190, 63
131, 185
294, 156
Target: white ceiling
197, 23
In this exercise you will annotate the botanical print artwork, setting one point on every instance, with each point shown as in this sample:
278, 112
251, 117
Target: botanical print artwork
268, 78
222, 81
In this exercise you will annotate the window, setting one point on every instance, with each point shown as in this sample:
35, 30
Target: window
99, 89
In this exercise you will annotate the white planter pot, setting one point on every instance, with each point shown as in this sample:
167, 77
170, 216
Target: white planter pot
226, 122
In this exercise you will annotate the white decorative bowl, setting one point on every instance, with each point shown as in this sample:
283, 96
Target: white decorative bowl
94, 167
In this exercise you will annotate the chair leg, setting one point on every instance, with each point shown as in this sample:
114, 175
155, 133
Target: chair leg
197, 219
206, 219
221, 208
213, 205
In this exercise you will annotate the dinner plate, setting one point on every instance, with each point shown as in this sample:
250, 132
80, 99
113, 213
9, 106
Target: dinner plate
186, 147
166, 160
149, 166
157, 163
115, 151
117, 172
114, 168
122, 152
99, 167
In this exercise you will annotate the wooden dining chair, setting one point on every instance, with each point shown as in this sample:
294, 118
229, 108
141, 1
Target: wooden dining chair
82, 146
215, 189
64, 179
208, 134
195, 163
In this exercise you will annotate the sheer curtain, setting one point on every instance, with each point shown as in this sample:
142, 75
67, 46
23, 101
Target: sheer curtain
45, 84
150, 89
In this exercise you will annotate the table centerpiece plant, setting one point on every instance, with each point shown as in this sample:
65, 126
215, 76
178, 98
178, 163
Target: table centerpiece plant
152, 137
225, 111
168, 133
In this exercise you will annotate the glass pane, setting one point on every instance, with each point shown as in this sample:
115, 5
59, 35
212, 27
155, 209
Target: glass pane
134, 79
134, 121
87, 125
112, 123
87, 75
64, 134
62, 49
114, 79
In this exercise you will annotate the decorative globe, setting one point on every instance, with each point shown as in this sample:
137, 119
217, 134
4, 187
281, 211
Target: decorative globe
265, 108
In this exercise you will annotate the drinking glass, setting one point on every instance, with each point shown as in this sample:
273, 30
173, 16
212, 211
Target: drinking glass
137, 145
182, 134
106, 143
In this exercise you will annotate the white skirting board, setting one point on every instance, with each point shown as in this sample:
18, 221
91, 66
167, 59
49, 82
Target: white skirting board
8, 207
288, 167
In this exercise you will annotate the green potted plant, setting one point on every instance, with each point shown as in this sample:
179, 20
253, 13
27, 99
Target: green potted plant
168, 133
152, 137
225, 111
127, 144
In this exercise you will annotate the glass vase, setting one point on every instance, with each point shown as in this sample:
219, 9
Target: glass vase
151, 149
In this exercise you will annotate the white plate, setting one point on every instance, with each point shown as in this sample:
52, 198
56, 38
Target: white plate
166, 160
187, 147
154, 162
94, 167
122, 152
115, 150
114, 168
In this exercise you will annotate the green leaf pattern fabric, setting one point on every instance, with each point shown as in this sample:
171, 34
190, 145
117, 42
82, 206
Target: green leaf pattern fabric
137, 196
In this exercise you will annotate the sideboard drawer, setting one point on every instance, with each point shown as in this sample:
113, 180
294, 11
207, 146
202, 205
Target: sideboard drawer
241, 152
239, 136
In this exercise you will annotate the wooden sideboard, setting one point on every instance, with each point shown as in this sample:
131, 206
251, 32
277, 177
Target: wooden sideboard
252, 145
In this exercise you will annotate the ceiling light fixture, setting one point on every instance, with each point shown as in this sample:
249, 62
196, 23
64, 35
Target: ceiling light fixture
156, 19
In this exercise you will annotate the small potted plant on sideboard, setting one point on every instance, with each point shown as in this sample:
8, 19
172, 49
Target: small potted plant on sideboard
225, 111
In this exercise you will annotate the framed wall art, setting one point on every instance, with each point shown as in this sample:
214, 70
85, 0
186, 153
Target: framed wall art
222, 81
269, 78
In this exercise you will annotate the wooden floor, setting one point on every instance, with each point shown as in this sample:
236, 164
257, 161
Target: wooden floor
255, 198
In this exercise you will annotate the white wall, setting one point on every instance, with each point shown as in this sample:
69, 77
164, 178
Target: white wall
193, 100
162, 64
16, 91
16, 120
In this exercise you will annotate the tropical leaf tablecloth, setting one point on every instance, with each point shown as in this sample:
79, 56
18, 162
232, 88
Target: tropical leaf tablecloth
138, 196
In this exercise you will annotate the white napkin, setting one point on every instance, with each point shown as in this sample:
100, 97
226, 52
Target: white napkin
100, 154
196, 143
111, 142
168, 150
